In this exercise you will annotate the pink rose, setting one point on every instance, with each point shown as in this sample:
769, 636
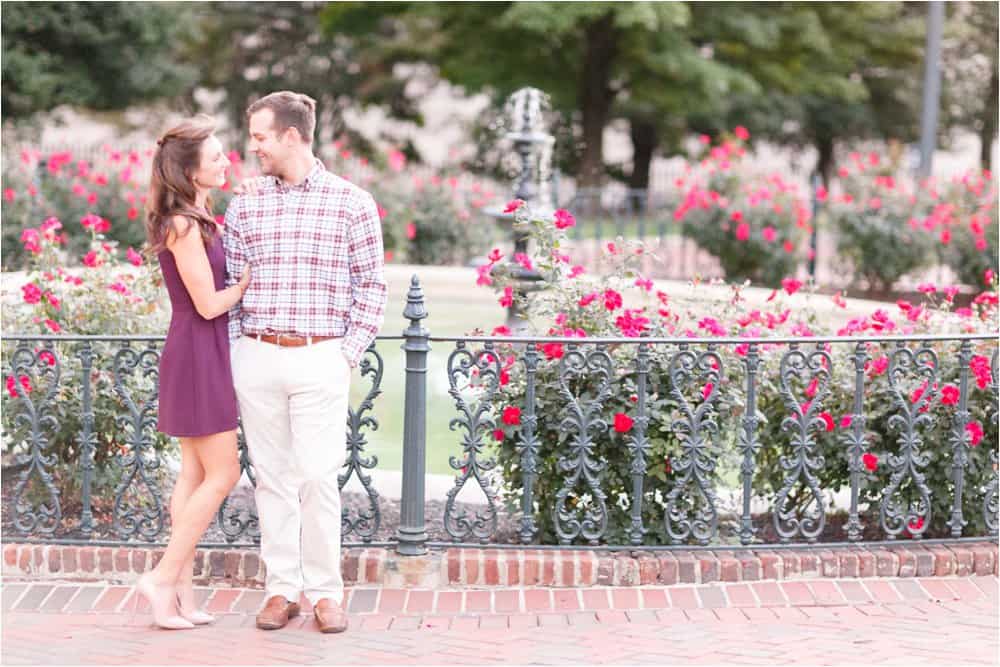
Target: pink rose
513, 205
564, 219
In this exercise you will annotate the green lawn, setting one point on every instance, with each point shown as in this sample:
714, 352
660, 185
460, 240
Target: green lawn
638, 227
455, 306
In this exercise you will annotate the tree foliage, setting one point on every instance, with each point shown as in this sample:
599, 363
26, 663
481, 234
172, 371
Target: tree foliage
260, 47
99, 55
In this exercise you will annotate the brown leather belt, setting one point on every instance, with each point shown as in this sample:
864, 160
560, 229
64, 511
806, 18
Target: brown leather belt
289, 340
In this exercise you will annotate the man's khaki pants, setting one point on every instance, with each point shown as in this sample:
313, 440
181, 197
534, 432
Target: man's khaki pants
293, 402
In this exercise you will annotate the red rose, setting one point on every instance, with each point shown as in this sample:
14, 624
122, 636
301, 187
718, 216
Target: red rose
507, 300
32, 293
92, 259
975, 432
791, 285
949, 394
827, 419
553, 350
812, 388
512, 415
612, 300
870, 461
623, 423
12, 386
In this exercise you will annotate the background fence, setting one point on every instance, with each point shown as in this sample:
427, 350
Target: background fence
557, 448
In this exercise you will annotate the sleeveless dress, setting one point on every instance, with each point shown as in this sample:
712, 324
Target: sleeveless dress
197, 396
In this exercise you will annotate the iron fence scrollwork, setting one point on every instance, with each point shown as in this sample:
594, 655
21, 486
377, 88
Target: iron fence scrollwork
27, 368
138, 513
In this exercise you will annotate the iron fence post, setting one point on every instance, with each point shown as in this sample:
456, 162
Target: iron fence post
412, 531
88, 439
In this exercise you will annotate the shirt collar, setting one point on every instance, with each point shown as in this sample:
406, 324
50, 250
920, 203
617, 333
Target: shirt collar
306, 184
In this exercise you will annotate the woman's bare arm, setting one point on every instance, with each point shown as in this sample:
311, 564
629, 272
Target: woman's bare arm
196, 272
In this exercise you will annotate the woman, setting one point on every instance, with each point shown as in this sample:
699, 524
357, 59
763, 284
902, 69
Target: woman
197, 402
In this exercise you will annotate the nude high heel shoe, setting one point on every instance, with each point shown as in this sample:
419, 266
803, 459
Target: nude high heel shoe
195, 616
159, 603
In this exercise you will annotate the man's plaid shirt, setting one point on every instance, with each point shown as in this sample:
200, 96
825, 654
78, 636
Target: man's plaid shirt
315, 254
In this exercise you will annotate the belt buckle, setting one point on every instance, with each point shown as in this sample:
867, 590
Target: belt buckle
295, 337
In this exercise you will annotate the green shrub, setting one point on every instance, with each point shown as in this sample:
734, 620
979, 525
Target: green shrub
887, 228
756, 226
972, 250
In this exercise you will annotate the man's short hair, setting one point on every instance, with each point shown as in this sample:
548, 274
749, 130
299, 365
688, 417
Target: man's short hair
290, 110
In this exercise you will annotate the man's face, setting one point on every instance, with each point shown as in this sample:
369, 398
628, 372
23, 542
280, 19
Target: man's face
272, 150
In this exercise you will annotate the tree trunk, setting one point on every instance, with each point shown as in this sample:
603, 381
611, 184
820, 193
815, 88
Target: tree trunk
989, 129
824, 165
596, 97
645, 139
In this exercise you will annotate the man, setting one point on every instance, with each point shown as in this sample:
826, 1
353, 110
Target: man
317, 300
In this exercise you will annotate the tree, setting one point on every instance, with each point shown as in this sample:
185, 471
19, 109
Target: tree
581, 54
253, 48
827, 71
970, 67
99, 55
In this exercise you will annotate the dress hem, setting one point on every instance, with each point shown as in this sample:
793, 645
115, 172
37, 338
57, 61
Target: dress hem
199, 434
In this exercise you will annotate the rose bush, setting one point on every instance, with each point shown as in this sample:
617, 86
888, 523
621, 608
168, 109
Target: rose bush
427, 217
888, 228
757, 226
625, 304
115, 293
972, 248
58, 185
433, 220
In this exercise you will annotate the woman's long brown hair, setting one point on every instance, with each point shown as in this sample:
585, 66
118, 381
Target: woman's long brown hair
171, 186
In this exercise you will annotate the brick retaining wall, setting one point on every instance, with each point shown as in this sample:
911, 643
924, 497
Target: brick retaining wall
457, 567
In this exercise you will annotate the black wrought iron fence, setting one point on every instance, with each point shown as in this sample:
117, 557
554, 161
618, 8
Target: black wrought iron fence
591, 442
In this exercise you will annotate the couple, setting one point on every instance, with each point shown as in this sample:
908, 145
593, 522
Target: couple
294, 280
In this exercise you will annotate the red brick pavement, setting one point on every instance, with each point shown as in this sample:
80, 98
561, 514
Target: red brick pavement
830, 621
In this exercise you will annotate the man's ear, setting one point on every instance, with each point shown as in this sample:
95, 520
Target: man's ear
292, 135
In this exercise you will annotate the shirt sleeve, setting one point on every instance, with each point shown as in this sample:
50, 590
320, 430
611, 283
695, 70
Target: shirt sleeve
236, 258
368, 286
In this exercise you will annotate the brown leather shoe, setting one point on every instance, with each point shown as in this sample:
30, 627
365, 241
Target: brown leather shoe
330, 616
276, 613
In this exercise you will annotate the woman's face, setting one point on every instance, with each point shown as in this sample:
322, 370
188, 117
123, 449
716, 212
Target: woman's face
211, 172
